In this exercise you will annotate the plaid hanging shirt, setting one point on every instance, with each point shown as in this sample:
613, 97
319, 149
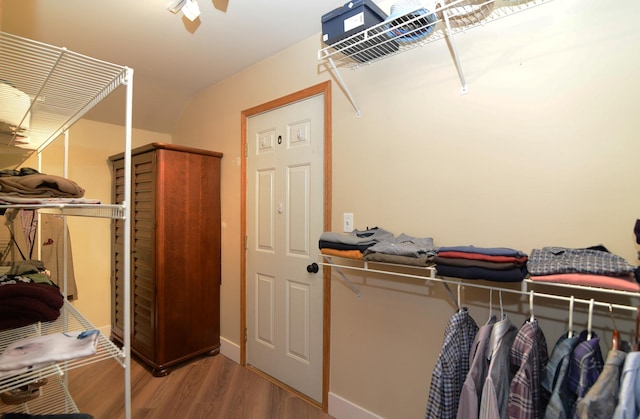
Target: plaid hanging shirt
451, 366
586, 365
529, 355
495, 392
554, 380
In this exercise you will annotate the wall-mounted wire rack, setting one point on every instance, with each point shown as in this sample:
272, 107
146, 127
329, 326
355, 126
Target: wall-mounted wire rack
429, 274
416, 28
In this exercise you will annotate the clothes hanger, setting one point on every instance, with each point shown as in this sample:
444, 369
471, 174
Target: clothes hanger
531, 318
459, 299
490, 305
502, 310
615, 338
589, 320
570, 328
635, 338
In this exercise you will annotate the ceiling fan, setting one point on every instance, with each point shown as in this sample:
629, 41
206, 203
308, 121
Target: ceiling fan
190, 8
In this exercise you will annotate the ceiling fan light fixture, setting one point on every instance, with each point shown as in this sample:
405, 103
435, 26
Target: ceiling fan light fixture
191, 10
176, 5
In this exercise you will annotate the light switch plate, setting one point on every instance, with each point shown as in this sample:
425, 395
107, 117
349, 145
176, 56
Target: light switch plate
347, 222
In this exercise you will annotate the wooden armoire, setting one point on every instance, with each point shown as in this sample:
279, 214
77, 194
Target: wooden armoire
175, 254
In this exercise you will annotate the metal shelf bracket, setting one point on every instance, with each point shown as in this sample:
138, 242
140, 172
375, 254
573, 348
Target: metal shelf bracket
344, 87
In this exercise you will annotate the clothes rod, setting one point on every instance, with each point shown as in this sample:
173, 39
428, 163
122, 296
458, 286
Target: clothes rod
448, 280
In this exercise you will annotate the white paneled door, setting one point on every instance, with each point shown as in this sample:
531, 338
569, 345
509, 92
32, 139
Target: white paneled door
285, 195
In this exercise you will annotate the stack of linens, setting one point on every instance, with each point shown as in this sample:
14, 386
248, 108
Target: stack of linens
351, 245
500, 264
27, 296
403, 250
593, 266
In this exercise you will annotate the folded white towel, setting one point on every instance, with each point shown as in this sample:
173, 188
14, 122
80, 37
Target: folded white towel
29, 354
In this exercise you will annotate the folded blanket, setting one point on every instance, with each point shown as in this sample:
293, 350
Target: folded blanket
624, 283
22, 304
40, 185
553, 260
366, 237
422, 260
325, 244
500, 266
474, 272
480, 256
404, 245
493, 251
350, 254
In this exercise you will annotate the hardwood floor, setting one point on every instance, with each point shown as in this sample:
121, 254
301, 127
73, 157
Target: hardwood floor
210, 387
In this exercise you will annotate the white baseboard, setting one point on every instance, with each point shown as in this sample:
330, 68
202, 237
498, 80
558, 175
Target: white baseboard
230, 350
341, 408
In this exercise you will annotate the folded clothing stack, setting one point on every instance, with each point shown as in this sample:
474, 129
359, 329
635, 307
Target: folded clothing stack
403, 250
22, 304
353, 244
379, 245
27, 295
499, 264
593, 266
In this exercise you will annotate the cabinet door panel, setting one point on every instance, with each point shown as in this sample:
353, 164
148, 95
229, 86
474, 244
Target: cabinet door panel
144, 338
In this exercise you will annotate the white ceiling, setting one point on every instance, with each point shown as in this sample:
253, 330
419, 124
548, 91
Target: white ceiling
172, 57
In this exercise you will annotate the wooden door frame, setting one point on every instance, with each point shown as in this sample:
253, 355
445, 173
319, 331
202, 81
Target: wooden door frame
324, 89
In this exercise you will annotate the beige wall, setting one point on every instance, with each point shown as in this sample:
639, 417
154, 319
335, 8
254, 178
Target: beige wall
541, 151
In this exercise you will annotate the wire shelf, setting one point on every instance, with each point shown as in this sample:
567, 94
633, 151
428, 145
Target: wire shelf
70, 320
53, 399
430, 274
79, 210
419, 27
416, 28
45, 73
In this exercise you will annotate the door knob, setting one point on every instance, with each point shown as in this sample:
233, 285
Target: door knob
313, 268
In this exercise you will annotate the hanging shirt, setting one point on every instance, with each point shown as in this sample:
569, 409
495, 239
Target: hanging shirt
529, 356
469, 405
602, 398
495, 392
451, 366
554, 381
629, 388
586, 365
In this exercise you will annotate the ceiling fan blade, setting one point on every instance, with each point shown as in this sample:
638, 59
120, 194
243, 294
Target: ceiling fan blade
221, 5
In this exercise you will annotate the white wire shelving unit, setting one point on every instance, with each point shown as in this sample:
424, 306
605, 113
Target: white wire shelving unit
416, 28
63, 86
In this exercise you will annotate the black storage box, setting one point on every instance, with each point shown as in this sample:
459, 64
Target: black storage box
354, 17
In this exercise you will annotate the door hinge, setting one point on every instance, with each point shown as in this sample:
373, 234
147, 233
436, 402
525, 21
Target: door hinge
245, 334
246, 149
246, 242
